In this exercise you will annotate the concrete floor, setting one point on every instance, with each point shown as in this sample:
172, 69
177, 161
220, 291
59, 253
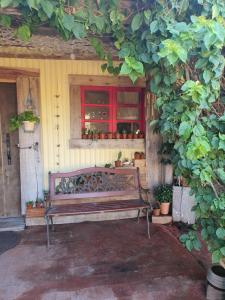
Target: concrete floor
101, 260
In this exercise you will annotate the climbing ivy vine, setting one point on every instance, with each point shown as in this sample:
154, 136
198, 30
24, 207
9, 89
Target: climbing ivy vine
179, 46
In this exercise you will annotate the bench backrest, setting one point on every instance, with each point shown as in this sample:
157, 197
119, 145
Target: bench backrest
94, 182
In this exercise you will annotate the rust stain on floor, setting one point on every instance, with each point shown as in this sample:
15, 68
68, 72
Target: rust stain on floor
100, 260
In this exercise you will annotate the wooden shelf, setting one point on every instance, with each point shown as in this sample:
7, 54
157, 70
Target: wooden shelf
108, 143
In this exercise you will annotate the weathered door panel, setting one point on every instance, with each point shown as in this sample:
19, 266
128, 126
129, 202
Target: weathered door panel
9, 154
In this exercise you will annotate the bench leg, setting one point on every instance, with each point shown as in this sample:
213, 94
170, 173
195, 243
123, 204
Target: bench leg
138, 215
52, 224
47, 225
147, 212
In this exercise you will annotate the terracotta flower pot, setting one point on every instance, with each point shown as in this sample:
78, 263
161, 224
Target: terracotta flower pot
89, 136
118, 136
124, 135
101, 136
29, 206
135, 136
84, 136
110, 135
156, 212
137, 155
95, 136
164, 208
118, 163
130, 136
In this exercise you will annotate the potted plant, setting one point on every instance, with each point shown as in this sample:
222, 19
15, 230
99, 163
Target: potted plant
124, 134
29, 204
110, 135
39, 203
89, 134
141, 135
130, 135
118, 162
135, 135
156, 209
137, 155
164, 194
102, 135
84, 133
27, 118
95, 134
118, 135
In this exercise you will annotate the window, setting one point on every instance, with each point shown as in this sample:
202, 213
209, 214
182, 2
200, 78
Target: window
112, 109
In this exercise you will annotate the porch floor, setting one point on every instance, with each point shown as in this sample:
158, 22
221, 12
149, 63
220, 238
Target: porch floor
101, 260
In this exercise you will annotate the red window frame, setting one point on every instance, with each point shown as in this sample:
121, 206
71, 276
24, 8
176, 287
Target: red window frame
113, 105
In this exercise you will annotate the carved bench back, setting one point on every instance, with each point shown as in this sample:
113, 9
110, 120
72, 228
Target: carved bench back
94, 182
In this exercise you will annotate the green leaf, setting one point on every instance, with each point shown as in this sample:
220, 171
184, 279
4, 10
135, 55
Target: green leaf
154, 26
216, 256
207, 76
137, 21
79, 30
220, 232
6, 3
222, 250
189, 245
221, 174
185, 130
125, 69
199, 130
48, 7
23, 32
68, 22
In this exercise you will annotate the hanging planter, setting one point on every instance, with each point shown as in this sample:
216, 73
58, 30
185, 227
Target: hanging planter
28, 126
27, 119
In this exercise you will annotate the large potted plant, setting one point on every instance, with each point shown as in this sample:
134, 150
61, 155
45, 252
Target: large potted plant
27, 118
164, 194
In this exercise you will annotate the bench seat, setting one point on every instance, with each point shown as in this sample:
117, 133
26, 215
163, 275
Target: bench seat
95, 207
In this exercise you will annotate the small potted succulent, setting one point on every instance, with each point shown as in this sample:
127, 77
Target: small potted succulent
118, 135
110, 135
27, 118
118, 162
124, 134
135, 135
130, 135
89, 134
29, 204
84, 133
39, 203
102, 135
141, 135
164, 194
137, 155
95, 135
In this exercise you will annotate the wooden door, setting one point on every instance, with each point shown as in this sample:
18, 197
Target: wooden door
9, 154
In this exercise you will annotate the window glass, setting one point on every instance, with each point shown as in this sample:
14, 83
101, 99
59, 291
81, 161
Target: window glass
96, 97
96, 113
128, 98
127, 113
99, 127
127, 127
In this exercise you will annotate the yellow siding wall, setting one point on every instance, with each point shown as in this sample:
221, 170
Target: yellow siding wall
53, 81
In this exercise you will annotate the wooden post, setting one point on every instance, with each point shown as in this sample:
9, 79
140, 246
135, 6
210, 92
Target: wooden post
30, 158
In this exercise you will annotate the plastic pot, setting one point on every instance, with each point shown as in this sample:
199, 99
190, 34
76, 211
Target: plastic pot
216, 283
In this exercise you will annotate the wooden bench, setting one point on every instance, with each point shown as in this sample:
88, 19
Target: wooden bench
73, 193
